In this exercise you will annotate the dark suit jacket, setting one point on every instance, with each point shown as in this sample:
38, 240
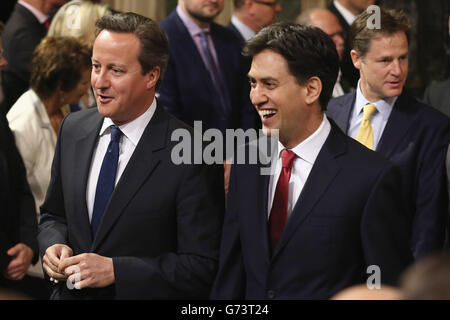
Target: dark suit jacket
347, 218
437, 95
161, 226
415, 139
17, 209
349, 73
22, 34
187, 90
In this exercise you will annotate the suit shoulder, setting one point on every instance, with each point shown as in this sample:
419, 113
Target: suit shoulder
223, 32
169, 23
80, 119
429, 116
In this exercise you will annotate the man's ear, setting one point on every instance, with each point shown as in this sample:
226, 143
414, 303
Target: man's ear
313, 90
356, 59
153, 77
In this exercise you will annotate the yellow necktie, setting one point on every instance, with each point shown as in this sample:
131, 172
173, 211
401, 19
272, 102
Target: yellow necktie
365, 134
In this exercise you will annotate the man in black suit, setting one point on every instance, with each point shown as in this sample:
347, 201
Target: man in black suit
24, 30
414, 136
120, 219
346, 11
18, 227
331, 209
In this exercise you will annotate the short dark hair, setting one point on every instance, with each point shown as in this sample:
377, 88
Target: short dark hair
308, 52
391, 21
58, 63
154, 49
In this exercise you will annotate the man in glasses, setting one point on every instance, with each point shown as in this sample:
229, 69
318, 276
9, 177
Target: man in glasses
250, 16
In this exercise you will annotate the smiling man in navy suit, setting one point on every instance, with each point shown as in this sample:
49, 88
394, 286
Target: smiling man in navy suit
331, 211
107, 224
412, 135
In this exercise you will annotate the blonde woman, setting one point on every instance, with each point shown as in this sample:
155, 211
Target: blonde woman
77, 19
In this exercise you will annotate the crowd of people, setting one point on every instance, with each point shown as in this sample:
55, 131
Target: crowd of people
93, 205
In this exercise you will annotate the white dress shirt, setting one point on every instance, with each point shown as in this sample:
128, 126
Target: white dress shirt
245, 31
306, 154
131, 134
378, 120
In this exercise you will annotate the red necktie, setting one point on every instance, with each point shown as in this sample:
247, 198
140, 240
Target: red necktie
47, 24
279, 211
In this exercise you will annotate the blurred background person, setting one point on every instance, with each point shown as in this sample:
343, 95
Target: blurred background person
362, 292
428, 279
328, 23
250, 16
18, 227
77, 19
60, 74
25, 28
346, 11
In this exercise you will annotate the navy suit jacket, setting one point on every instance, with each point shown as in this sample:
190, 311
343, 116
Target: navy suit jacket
416, 138
18, 222
346, 218
187, 90
161, 226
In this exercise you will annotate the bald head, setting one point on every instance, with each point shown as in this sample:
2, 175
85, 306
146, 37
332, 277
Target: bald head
361, 292
328, 23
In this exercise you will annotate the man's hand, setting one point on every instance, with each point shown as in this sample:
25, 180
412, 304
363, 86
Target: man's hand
88, 270
52, 259
22, 256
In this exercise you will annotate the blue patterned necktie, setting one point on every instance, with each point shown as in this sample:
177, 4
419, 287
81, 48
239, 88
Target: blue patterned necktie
214, 71
106, 179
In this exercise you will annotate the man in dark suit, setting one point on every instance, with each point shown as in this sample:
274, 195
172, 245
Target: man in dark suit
18, 227
120, 219
412, 135
24, 30
346, 11
205, 79
332, 208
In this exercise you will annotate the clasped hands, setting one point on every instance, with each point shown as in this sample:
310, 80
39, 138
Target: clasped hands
87, 270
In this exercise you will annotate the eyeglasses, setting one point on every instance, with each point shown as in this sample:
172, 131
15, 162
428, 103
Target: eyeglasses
269, 4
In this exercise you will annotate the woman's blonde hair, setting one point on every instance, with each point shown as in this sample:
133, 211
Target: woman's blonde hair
77, 19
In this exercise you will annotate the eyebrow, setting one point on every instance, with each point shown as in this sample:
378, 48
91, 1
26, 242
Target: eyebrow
109, 65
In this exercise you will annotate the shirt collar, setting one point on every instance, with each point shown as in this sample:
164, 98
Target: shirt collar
192, 27
348, 16
133, 130
384, 106
245, 31
42, 17
310, 148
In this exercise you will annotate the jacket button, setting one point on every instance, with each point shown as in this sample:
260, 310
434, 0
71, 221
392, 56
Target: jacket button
271, 294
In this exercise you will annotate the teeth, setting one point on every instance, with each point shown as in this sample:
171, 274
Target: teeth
267, 112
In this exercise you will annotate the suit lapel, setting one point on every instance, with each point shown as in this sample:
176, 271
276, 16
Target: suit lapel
142, 163
397, 126
321, 176
341, 115
84, 147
